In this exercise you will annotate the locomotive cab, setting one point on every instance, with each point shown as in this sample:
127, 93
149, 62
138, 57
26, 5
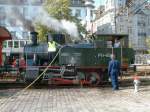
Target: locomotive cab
111, 40
119, 45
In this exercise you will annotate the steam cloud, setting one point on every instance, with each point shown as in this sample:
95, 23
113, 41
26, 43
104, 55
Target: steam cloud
45, 19
27, 24
15, 13
62, 25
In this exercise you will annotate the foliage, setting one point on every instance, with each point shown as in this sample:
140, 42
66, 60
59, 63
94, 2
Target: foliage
81, 28
58, 9
148, 43
42, 31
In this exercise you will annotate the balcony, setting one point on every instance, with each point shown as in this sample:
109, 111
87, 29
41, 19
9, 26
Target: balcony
21, 2
142, 24
77, 3
8, 2
142, 34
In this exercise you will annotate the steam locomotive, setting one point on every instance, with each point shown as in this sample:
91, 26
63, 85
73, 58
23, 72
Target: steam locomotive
76, 63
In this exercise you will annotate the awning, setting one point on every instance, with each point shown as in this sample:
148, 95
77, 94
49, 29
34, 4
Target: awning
4, 34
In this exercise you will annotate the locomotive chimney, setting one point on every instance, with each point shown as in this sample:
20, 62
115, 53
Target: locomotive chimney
34, 38
49, 37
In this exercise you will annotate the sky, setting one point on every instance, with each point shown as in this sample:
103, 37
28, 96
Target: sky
99, 2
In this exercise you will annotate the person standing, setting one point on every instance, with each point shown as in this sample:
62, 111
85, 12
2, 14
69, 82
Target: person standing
14, 63
51, 48
117, 43
113, 71
22, 63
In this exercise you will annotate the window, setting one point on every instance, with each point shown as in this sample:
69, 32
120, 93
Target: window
76, 2
142, 34
2, 10
24, 1
37, 2
5, 44
78, 13
130, 30
121, 19
22, 43
16, 44
10, 44
91, 13
142, 24
25, 11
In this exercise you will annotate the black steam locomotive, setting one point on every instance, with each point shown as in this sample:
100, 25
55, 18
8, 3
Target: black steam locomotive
80, 63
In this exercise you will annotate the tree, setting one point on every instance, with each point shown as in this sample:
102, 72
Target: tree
58, 9
81, 28
148, 44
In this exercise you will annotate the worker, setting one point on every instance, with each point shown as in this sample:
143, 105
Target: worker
14, 63
117, 43
22, 65
113, 71
52, 47
22, 62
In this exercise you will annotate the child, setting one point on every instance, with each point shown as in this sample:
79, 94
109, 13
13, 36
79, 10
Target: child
136, 82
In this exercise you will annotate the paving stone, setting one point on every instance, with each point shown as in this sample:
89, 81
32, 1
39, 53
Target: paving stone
77, 100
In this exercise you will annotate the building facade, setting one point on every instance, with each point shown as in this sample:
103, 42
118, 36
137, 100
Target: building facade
110, 21
83, 9
132, 20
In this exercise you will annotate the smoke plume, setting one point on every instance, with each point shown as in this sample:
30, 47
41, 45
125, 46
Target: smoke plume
16, 14
62, 25
44, 18
27, 24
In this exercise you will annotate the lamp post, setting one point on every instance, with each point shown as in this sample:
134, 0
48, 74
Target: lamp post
115, 16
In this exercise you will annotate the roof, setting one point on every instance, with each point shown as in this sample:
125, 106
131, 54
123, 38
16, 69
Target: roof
111, 36
4, 34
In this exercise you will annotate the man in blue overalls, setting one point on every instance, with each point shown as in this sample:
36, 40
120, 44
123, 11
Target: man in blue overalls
113, 71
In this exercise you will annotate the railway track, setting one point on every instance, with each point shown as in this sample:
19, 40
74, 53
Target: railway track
123, 83
126, 79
